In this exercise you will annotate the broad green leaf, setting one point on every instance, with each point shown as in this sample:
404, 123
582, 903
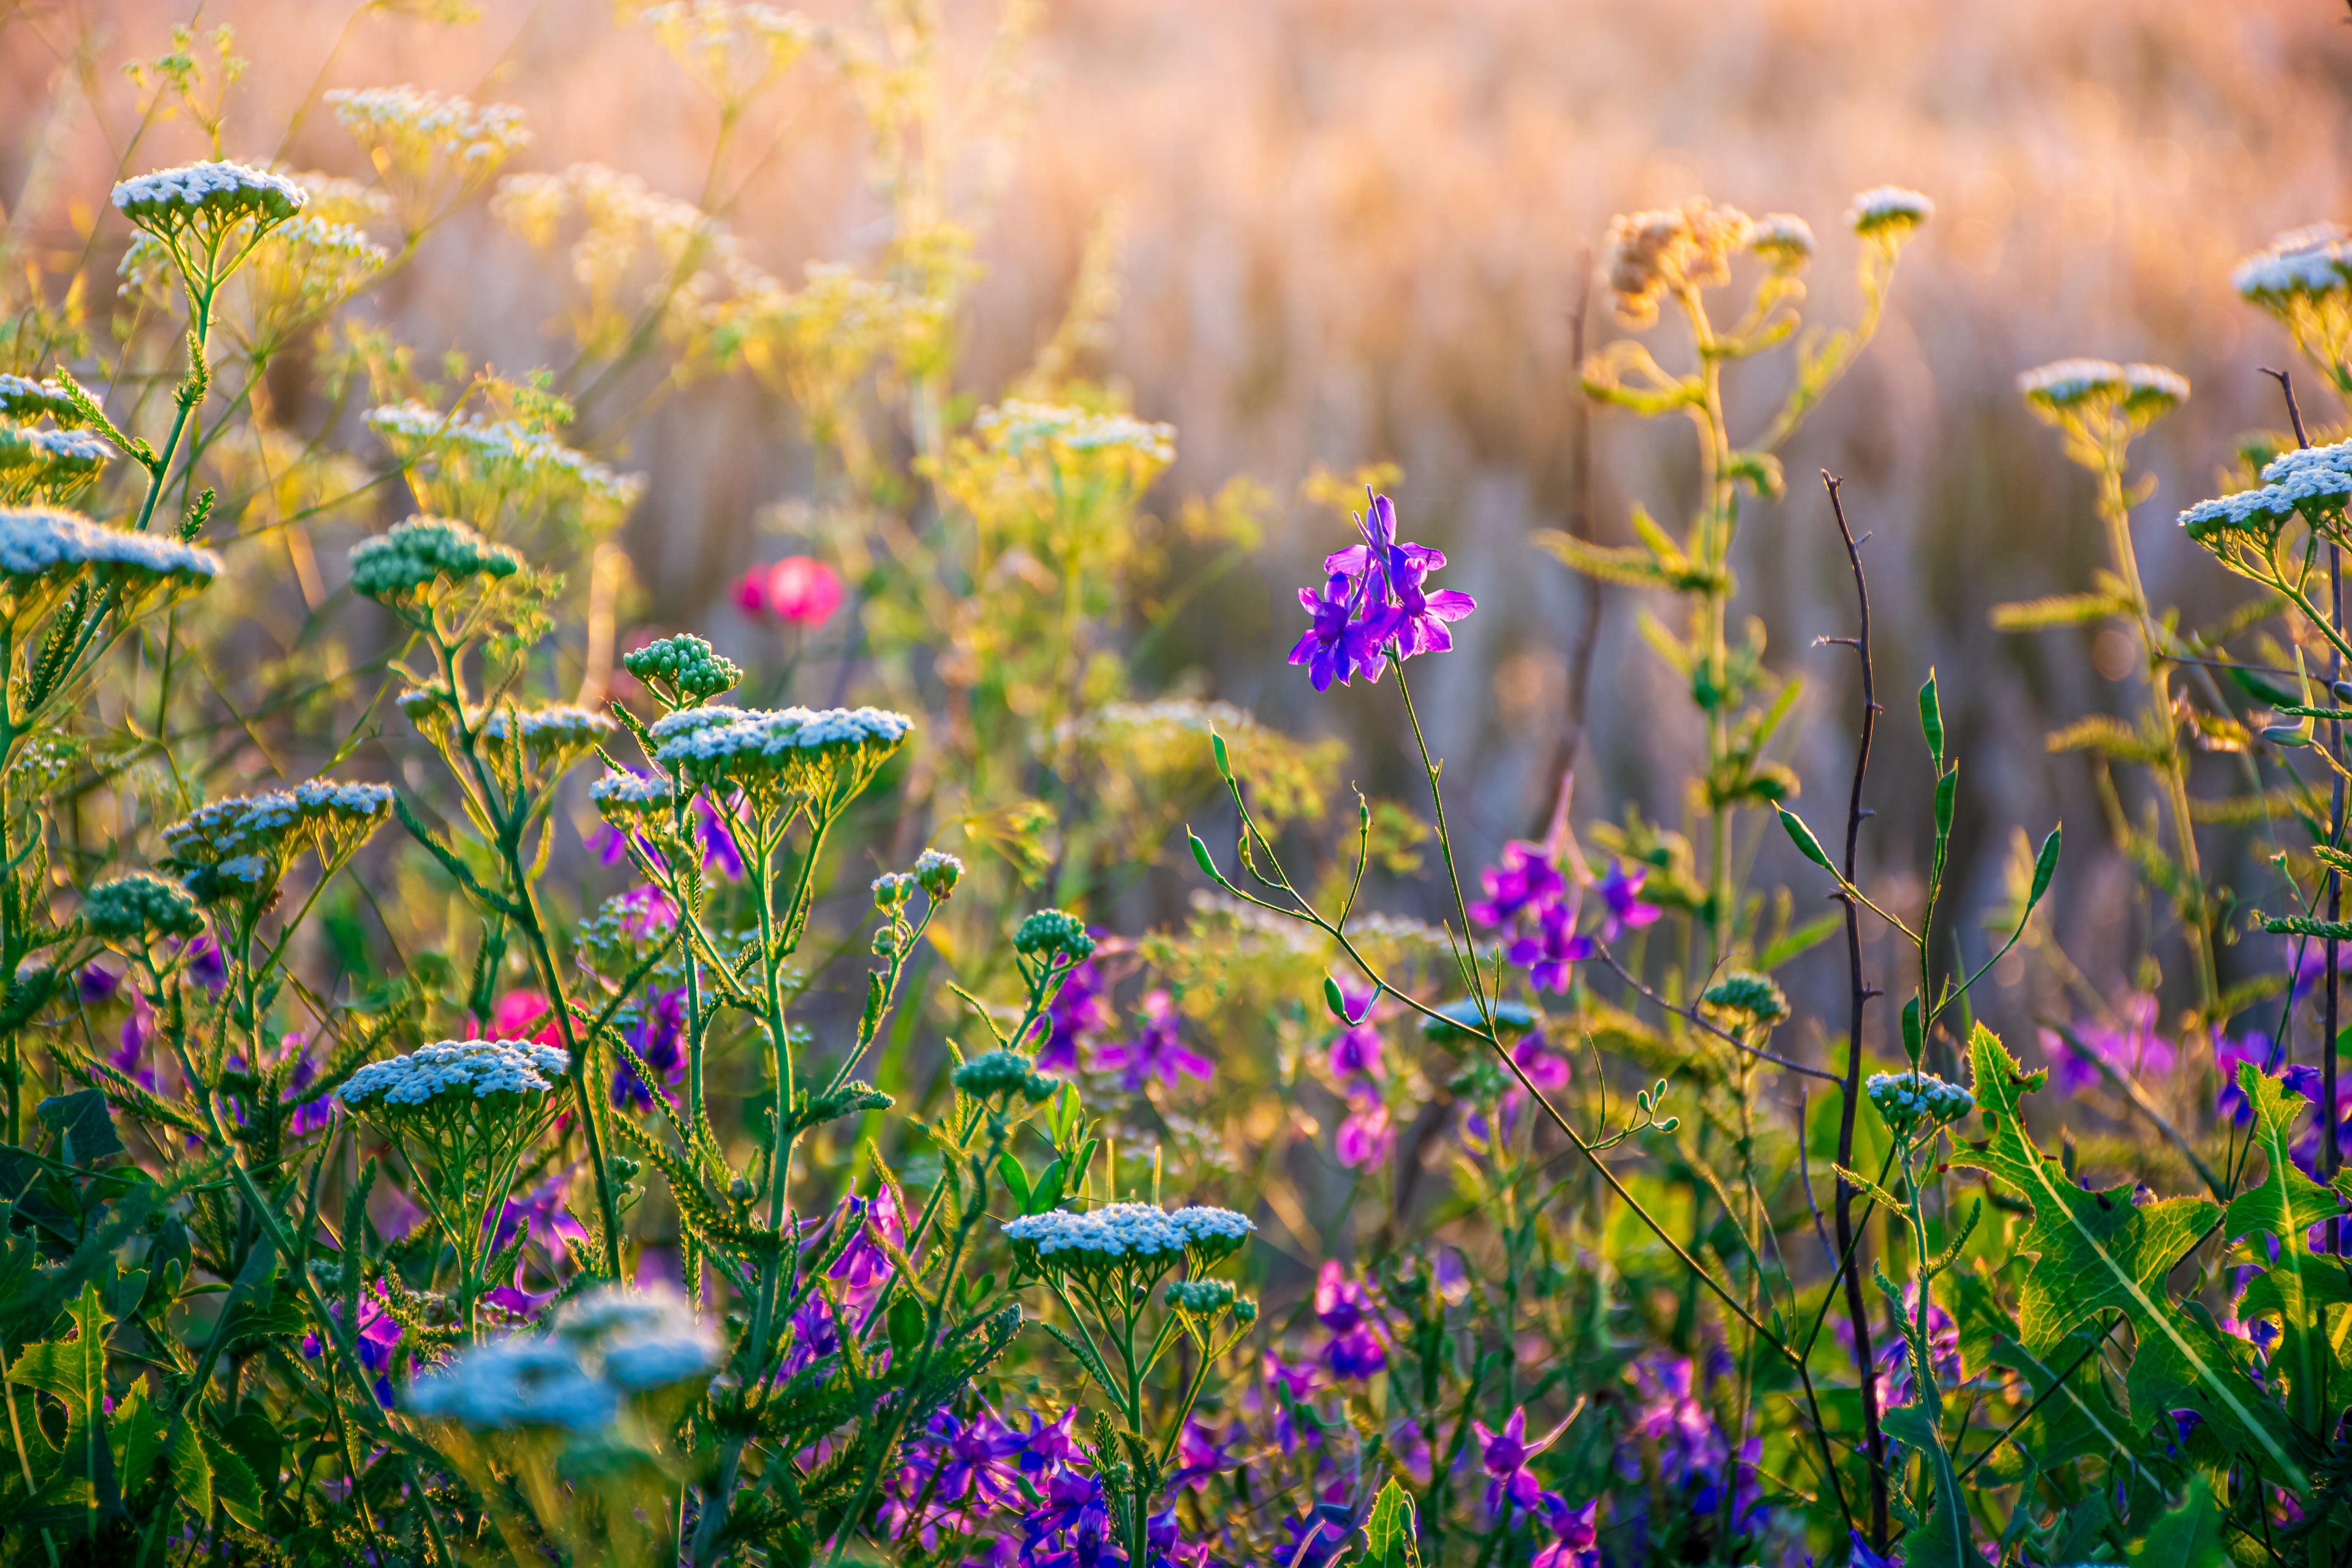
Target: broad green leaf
85, 1132
73, 1372
2190, 1536
2098, 1252
135, 1433
1016, 1180
1389, 1531
2045, 866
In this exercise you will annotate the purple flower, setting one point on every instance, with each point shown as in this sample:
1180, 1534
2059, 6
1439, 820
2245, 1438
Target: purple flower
1365, 1137
1157, 1053
658, 1038
1317, 1537
975, 1457
1621, 908
207, 967
1337, 646
1375, 598
1504, 1457
1549, 954
2132, 1049
1345, 1307
319, 1113
1079, 1012
1577, 1545
378, 1332
1546, 1068
1895, 1355
864, 1267
95, 985
1201, 1453
549, 1221
1073, 1525
2254, 1047
1525, 879
1050, 1445
1419, 621
719, 851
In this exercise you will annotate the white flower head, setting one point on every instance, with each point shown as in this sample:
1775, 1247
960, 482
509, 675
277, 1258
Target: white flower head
2303, 264
1783, 240
1131, 1236
771, 753
1018, 428
639, 1339
2072, 390
560, 730
1889, 210
519, 1381
207, 196
634, 801
1907, 1099
21, 397
454, 1070
38, 541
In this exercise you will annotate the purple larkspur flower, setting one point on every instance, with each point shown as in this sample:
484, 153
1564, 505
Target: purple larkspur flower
1157, 1052
1575, 1543
95, 985
1201, 1452
1524, 880
975, 1457
1077, 1016
1355, 1052
1340, 644
658, 1037
206, 966
864, 1267
1504, 1457
1344, 1305
1862, 1556
378, 1333
1050, 1447
1365, 1137
1071, 1527
2131, 1046
720, 853
1894, 1354
1419, 623
1551, 952
1317, 1537
1547, 1068
1622, 908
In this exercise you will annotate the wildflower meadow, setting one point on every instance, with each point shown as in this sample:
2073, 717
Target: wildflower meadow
657, 906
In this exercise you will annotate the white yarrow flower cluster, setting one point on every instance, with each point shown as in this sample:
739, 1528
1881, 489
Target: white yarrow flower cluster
1889, 210
413, 124
474, 1067
63, 454
1116, 1234
2308, 479
603, 1348
22, 397
632, 794
1782, 238
169, 197
793, 748
499, 451
2065, 386
36, 542
2306, 263
562, 727
241, 823
1017, 427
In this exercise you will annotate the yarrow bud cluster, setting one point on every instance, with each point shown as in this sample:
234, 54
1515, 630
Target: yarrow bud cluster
892, 889
1201, 1297
42, 542
1651, 254
478, 1068
1003, 1074
411, 556
171, 201
937, 872
1907, 1099
1747, 996
688, 663
140, 905
1054, 931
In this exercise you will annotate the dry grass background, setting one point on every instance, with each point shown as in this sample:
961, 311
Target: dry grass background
1353, 232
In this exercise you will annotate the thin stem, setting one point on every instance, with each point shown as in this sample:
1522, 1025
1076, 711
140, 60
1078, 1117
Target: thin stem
1850, 1088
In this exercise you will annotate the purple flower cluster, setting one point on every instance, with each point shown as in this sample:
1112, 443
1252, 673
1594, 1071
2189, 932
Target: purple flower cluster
1079, 1014
1532, 902
1674, 1434
658, 1037
1375, 599
719, 851
1343, 1304
1157, 1052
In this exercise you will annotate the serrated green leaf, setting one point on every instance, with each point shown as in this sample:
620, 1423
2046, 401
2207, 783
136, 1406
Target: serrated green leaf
2099, 1252
73, 1372
1389, 1531
234, 1486
2294, 1287
84, 1130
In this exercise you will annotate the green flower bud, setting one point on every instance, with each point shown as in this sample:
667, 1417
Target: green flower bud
140, 905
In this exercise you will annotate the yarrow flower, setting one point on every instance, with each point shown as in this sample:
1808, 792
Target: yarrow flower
770, 754
1113, 1236
2301, 264
475, 1068
21, 397
41, 542
207, 197
605, 1347
1375, 601
397, 566
1889, 210
2098, 386
140, 906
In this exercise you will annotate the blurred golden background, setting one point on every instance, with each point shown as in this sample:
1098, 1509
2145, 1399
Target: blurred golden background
1352, 231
